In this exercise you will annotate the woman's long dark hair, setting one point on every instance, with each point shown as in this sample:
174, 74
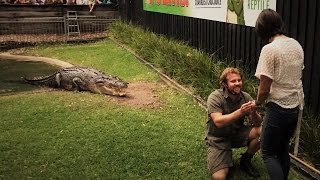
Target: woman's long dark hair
269, 24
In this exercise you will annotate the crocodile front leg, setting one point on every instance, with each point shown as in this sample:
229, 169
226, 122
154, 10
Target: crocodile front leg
79, 84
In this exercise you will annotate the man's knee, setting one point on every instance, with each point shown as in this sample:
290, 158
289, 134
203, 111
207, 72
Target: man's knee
221, 174
255, 133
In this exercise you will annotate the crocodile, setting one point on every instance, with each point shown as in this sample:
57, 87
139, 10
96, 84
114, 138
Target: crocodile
82, 79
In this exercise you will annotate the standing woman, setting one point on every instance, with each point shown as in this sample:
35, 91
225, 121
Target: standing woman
280, 72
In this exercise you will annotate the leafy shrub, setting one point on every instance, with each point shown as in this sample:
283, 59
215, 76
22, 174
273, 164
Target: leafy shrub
176, 59
310, 139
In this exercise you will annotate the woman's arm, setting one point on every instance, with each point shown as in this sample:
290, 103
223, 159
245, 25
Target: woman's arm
264, 89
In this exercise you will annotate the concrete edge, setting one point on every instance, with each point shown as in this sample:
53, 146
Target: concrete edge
57, 62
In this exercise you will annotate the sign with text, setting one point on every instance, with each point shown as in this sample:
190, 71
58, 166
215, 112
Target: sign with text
243, 12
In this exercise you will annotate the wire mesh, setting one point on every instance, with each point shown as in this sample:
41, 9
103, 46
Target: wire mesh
30, 31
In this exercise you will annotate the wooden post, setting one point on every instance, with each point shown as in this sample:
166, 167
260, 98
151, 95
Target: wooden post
297, 134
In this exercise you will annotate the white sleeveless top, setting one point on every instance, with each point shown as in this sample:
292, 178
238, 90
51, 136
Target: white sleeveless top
282, 61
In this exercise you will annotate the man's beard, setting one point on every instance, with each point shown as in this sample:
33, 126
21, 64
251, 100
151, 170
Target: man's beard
233, 92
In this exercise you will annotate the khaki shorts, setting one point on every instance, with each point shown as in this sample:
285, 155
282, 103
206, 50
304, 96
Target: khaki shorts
219, 158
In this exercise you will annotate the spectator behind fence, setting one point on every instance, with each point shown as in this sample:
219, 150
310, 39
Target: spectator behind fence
22, 2
91, 4
82, 2
69, 2
53, 1
115, 2
104, 2
107, 2
38, 2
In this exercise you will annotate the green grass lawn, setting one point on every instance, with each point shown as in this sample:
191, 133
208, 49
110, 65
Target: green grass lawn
69, 135
66, 135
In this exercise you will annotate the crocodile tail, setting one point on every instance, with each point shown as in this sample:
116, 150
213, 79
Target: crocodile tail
52, 80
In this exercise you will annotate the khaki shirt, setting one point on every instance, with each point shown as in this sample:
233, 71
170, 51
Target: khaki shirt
219, 101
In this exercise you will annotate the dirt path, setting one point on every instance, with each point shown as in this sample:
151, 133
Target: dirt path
8, 56
140, 95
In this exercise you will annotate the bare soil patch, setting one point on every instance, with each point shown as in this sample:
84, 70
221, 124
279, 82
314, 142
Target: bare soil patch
140, 95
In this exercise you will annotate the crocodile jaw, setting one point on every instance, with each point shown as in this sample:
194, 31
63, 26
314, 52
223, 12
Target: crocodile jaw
113, 91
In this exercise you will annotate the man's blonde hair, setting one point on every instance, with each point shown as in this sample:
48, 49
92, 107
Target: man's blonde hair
228, 70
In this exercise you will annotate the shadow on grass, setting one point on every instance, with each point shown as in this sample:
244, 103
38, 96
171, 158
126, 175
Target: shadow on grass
12, 73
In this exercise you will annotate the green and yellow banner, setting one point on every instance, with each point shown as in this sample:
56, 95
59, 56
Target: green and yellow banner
243, 12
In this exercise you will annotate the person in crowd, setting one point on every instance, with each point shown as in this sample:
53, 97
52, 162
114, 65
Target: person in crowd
22, 2
279, 71
226, 126
115, 2
39, 2
91, 4
82, 2
107, 2
69, 2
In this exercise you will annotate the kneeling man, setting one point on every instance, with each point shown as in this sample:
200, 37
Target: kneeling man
228, 108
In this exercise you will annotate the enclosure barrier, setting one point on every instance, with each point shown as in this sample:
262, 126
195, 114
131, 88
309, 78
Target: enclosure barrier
29, 31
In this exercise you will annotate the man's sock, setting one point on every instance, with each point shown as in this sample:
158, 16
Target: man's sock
245, 165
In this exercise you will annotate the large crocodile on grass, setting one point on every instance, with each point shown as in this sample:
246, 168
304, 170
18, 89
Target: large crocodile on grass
83, 79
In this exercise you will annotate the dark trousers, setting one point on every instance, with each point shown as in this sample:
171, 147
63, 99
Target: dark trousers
278, 127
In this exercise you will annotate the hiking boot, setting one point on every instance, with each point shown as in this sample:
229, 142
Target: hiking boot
246, 166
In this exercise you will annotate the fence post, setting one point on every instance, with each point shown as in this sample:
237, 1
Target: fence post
65, 24
297, 134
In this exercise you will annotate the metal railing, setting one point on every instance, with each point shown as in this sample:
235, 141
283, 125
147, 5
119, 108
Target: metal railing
24, 31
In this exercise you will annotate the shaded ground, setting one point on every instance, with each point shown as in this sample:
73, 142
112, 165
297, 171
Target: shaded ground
140, 94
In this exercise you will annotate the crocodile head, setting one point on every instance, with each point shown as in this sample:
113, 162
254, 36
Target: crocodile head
110, 85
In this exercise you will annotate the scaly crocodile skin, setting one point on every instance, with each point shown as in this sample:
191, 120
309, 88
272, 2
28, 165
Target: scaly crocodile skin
83, 79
